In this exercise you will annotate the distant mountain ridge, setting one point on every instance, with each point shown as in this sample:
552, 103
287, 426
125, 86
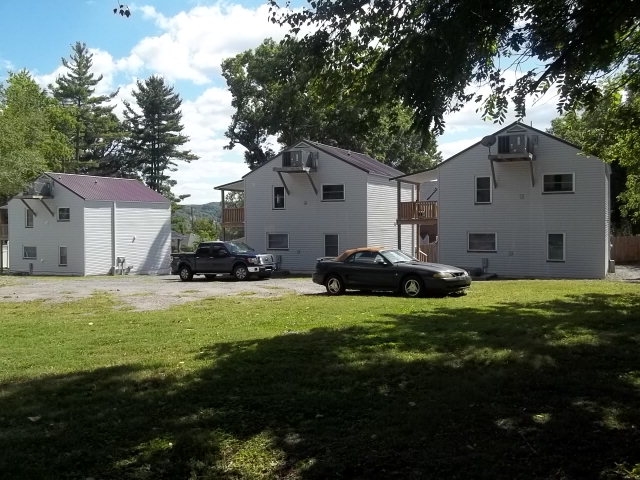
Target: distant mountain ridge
211, 210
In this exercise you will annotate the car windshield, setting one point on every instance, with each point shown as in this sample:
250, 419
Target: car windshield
396, 256
239, 247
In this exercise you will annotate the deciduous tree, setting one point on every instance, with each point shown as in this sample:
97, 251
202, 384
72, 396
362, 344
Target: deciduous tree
276, 95
428, 52
31, 133
611, 131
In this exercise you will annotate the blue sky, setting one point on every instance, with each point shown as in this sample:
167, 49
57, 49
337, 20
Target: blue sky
185, 42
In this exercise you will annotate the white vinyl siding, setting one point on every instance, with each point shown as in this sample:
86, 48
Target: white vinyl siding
307, 218
521, 214
145, 245
98, 238
382, 212
142, 233
47, 234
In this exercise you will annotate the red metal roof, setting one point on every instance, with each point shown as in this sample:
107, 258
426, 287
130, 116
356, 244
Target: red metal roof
112, 189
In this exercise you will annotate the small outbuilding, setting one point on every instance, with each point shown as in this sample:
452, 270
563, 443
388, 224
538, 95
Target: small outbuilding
65, 224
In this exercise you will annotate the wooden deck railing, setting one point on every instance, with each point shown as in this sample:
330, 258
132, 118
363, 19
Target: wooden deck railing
233, 216
422, 210
4, 232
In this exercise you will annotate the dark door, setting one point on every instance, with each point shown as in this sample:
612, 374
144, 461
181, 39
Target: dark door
204, 260
222, 259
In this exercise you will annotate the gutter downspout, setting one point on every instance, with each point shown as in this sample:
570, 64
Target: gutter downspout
113, 238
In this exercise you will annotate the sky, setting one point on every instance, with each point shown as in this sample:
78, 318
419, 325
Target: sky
184, 41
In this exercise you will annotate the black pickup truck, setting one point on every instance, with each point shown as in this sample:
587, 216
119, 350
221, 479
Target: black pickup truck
212, 258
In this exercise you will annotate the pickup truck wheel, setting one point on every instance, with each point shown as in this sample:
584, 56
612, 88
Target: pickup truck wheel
185, 273
334, 285
240, 272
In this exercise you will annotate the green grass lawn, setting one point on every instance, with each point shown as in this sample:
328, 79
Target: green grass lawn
518, 379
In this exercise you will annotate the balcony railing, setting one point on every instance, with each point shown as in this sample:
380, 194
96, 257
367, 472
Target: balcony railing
4, 232
233, 216
418, 211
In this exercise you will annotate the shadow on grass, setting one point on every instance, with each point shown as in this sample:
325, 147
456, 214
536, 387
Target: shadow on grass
463, 393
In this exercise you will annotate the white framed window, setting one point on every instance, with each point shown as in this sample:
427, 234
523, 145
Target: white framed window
333, 193
558, 183
62, 256
482, 242
28, 218
64, 214
483, 190
331, 245
278, 198
277, 241
29, 253
555, 247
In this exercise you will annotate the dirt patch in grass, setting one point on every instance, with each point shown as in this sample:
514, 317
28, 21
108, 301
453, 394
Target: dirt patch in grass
147, 292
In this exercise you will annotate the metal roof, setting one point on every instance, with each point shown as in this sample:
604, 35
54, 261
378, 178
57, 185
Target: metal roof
358, 160
112, 189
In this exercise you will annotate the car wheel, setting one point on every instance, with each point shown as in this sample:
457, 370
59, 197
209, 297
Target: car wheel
185, 273
411, 287
334, 285
240, 272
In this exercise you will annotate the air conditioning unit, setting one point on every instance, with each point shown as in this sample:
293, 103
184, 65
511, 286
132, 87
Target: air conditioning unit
292, 158
515, 143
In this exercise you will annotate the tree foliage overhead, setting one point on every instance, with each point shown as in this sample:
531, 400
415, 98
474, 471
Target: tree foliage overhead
96, 131
611, 131
155, 134
31, 133
427, 52
276, 93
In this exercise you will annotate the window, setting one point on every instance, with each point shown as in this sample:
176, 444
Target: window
558, 183
483, 242
28, 218
278, 198
29, 253
278, 241
333, 193
64, 214
483, 189
555, 247
62, 256
331, 246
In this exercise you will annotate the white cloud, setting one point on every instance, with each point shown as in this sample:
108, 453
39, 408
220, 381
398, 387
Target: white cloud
194, 43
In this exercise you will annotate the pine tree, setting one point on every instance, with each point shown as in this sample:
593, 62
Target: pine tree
96, 132
154, 134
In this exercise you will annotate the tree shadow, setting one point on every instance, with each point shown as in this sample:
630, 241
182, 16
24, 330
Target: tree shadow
506, 392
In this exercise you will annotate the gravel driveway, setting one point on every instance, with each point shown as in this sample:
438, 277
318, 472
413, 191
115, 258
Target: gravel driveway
147, 292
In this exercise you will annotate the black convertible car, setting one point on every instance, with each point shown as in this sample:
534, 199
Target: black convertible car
374, 268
